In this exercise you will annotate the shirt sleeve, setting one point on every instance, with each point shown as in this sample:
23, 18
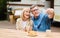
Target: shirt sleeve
31, 22
18, 24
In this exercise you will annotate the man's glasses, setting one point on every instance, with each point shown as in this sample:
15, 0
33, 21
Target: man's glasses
34, 10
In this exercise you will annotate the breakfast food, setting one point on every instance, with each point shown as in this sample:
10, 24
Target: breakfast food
32, 33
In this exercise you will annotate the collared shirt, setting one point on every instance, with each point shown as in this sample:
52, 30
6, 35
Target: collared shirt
41, 23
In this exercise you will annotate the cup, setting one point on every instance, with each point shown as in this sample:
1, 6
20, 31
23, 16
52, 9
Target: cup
48, 33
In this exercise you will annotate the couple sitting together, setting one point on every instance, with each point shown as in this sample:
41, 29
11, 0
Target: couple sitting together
40, 21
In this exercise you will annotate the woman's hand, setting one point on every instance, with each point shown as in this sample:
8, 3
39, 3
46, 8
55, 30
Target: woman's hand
25, 29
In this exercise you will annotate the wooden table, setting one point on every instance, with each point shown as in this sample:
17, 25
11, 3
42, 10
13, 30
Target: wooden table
10, 33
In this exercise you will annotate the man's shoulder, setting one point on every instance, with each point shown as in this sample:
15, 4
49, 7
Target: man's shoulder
32, 18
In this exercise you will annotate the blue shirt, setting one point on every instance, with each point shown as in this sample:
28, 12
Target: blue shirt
41, 23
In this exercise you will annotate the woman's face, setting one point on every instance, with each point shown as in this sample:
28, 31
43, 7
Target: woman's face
27, 14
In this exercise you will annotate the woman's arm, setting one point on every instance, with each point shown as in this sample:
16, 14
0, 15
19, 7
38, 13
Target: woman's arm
31, 25
18, 24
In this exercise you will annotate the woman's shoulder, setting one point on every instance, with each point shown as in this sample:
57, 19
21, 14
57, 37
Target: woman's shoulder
31, 21
19, 19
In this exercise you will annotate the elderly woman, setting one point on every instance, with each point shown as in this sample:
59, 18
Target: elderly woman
24, 23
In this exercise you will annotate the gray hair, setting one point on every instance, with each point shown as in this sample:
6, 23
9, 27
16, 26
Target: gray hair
33, 6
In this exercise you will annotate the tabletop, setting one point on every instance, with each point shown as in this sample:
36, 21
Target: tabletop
11, 33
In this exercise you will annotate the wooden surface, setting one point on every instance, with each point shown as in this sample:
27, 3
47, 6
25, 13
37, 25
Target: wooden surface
26, 5
9, 33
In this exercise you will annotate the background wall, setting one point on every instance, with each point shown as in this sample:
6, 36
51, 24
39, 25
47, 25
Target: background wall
57, 9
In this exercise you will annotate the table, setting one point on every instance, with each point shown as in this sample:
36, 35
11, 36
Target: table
11, 33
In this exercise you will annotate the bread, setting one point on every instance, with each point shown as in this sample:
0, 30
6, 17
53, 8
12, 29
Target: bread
32, 33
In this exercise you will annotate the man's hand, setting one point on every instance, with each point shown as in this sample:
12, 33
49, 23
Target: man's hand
50, 13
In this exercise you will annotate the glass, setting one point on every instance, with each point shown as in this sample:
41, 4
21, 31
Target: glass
34, 10
48, 33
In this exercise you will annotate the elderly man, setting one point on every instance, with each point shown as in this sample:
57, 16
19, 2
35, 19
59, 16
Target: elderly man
41, 19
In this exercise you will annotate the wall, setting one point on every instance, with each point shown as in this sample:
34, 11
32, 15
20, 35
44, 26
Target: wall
26, 2
57, 9
47, 4
57, 6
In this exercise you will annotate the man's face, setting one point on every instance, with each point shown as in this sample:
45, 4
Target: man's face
35, 11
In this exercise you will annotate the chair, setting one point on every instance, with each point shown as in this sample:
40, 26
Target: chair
16, 14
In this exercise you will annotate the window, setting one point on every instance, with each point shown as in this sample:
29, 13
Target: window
14, 0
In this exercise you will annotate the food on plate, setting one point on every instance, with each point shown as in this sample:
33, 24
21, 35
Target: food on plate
32, 33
